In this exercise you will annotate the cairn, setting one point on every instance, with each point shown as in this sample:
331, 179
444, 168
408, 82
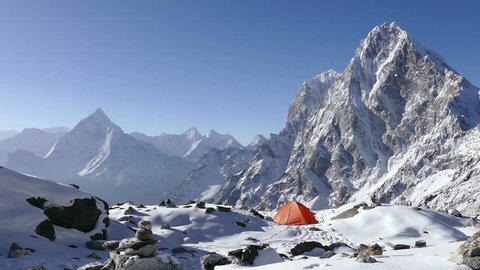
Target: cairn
140, 251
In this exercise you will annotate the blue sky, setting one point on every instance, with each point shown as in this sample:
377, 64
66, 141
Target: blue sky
164, 66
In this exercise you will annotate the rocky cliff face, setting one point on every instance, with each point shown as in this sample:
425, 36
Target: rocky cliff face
399, 126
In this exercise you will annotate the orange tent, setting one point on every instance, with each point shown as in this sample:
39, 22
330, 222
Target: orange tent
294, 213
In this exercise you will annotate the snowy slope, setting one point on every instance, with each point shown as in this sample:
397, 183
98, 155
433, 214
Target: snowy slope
103, 160
19, 220
200, 233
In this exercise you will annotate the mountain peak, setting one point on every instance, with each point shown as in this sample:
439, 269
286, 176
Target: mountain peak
193, 134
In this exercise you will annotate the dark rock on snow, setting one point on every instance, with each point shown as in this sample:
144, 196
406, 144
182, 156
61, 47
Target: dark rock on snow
307, 246
208, 262
45, 229
82, 215
15, 251
247, 255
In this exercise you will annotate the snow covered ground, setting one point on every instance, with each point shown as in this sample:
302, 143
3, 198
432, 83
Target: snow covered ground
199, 233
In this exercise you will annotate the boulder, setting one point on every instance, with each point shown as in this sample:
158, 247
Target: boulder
373, 250
247, 255
15, 251
129, 211
469, 252
209, 210
301, 248
95, 245
45, 229
81, 215
256, 213
240, 224
200, 205
401, 246
223, 208
420, 243
208, 262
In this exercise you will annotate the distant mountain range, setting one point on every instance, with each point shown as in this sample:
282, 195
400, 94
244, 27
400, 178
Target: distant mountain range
399, 125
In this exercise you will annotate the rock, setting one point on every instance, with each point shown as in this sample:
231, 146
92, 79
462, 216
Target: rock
165, 227
81, 215
401, 246
183, 250
106, 222
145, 225
200, 205
92, 266
45, 229
95, 245
15, 251
74, 186
252, 239
420, 243
36, 201
94, 256
455, 213
124, 218
256, 213
133, 246
72, 246
129, 211
144, 235
240, 224
99, 236
209, 210
307, 246
168, 203
223, 209
348, 213
327, 255
469, 252
140, 206
471, 222
247, 255
111, 245
366, 259
208, 262
315, 229
160, 262
372, 250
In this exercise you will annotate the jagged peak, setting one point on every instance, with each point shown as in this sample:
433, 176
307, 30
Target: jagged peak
193, 134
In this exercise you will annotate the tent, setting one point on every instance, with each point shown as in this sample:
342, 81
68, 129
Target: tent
294, 213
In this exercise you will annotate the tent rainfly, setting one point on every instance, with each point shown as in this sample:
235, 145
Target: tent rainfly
294, 213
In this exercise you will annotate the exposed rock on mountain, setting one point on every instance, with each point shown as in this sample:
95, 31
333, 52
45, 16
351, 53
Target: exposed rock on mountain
399, 125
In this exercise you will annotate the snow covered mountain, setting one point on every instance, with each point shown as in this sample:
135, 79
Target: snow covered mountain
191, 144
4, 134
103, 160
398, 125
30, 139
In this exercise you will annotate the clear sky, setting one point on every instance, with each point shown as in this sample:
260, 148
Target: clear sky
164, 66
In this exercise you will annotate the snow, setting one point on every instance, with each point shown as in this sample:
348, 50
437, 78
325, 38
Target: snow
201, 233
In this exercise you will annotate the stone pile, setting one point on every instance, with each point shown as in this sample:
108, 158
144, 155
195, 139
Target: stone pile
138, 253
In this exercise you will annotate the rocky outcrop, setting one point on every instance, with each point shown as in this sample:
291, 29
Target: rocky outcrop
15, 251
81, 215
469, 252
